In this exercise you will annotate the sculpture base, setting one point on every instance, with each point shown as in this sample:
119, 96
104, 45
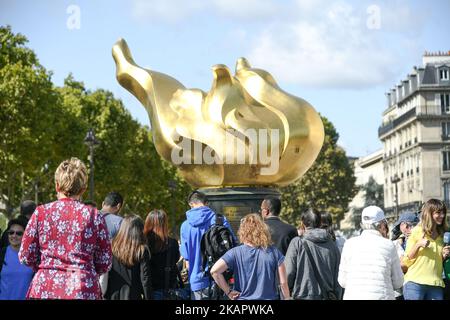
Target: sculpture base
236, 202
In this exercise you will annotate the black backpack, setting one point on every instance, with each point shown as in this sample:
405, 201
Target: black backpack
217, 240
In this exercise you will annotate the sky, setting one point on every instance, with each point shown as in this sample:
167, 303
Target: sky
340, 56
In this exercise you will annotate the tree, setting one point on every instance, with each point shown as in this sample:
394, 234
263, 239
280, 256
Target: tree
28, 117
329, 185
373, 193
373, 196
41, 125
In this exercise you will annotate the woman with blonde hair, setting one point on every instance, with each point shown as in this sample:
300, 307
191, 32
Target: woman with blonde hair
66, 241
256, 264
425, 253
130, 275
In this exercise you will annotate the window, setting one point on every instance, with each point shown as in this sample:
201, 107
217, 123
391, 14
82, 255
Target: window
447, 191
445, 103
445, 130
446, 160
443, 73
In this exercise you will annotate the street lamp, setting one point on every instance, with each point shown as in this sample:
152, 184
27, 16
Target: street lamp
91, 142
395, 179
172, 184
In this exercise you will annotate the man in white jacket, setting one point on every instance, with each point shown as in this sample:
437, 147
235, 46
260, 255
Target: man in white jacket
370, 267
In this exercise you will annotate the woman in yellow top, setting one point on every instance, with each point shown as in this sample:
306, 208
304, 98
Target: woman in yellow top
425, 253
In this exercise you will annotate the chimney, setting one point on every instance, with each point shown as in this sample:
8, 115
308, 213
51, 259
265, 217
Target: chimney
388, 97
439, 57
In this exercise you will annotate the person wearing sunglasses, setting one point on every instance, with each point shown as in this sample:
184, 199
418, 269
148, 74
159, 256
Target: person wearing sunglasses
27, 208
15, 278
400, 234
402, 230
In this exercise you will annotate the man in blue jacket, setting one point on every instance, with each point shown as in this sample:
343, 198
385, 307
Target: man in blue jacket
199, 219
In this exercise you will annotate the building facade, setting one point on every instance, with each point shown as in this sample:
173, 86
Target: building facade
415, 133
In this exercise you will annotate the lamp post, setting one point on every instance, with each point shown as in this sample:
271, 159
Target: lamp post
172, 184
395, 179
91, 142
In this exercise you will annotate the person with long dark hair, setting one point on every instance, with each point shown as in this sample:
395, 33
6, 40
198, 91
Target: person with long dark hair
327, 223
15, 278
130, 275
165, 254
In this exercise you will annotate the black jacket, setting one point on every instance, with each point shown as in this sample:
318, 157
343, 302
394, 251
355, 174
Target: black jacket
282, 233
158, 264
133, 283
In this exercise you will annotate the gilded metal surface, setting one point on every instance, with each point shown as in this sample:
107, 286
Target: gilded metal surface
235, 105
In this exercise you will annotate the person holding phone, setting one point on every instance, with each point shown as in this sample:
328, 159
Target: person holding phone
425, 253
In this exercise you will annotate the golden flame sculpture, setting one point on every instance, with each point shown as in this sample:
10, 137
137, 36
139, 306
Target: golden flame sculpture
229, 126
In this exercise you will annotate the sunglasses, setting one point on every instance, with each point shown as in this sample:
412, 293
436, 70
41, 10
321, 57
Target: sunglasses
12, 232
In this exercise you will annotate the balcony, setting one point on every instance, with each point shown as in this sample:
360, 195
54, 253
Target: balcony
396, 122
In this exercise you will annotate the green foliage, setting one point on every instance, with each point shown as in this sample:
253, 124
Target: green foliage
329, 185
374, 193
3, 222
43, 125
29, 113
373, 196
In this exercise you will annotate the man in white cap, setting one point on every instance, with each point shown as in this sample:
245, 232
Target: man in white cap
370, 267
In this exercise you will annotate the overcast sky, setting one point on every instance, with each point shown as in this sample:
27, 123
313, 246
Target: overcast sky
341, 56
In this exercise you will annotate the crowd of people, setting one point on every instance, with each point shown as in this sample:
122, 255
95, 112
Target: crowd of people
67, 249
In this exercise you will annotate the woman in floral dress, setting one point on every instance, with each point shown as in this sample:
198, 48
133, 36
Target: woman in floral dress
66, 242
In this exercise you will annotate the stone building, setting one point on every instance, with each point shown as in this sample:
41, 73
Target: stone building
415, 133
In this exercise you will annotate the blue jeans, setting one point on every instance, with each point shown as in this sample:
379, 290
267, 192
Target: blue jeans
416, 291
158, 295
209, 293
202, 294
